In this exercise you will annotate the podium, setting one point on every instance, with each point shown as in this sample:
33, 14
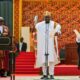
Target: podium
6, 44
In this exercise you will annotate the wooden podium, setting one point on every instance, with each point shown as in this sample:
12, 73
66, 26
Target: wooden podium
5, 43
71, 56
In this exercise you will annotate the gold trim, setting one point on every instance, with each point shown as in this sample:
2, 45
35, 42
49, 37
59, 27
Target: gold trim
20, 17
13, 17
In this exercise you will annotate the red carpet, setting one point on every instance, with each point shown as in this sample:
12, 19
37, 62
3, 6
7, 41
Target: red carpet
25, 65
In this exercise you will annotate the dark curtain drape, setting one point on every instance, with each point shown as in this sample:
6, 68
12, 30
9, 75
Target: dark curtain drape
6, 11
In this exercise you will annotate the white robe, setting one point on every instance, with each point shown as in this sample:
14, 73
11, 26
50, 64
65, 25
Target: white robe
77, 35
41, 28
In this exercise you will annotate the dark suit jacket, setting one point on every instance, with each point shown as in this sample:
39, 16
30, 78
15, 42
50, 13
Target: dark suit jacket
24, 47
78, 47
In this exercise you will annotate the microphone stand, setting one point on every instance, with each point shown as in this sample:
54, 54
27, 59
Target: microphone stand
46, 47
13, 61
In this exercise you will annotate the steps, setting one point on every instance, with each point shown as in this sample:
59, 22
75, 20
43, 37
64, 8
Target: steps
25, 65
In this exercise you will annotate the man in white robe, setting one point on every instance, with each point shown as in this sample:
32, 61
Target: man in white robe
46, 31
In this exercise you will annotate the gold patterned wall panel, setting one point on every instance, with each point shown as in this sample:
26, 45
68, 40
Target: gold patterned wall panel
65, 12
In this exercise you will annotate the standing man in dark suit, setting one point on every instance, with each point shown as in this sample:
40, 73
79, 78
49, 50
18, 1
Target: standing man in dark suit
22, 46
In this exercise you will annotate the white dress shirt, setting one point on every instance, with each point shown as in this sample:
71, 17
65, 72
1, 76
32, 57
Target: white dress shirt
20, 46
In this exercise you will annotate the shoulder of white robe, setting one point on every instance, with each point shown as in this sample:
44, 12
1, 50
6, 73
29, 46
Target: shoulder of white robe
37, 25
76, 32
58, 28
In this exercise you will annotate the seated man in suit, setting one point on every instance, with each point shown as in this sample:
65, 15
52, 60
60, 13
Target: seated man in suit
22, 46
